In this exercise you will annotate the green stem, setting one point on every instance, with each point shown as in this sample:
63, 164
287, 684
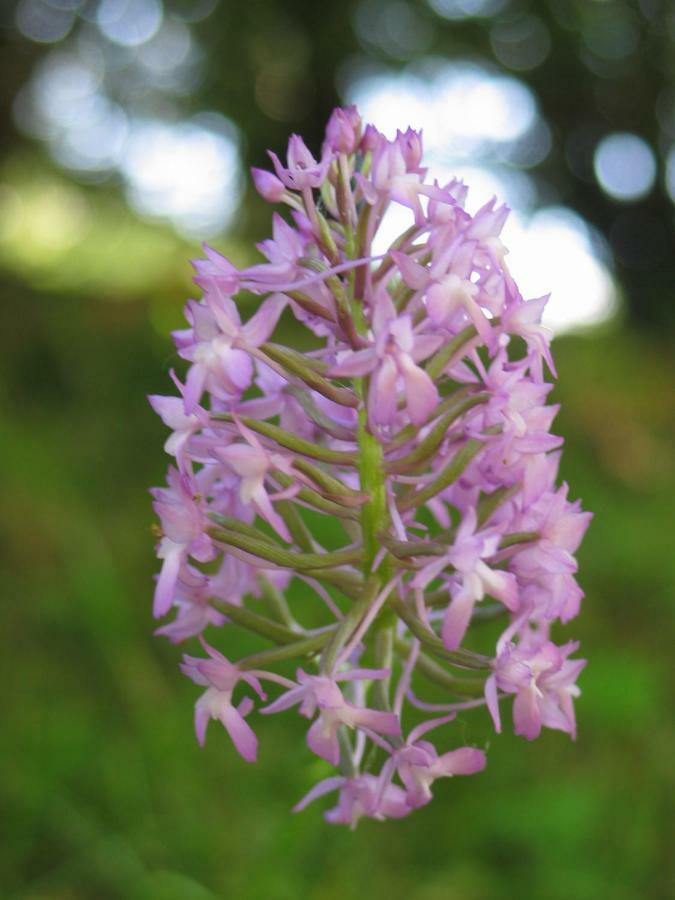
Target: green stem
348, 625
384, 657
287, 559
463, 659
257, 624
450, 473
460, 687
302, 647
374, 516
290, 441
436, 435
276, 603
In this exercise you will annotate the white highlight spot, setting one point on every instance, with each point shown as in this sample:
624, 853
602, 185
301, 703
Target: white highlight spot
553, 253
624, 166
188, 172
462, 108
129, 22
43, 22
463, 9
462, 111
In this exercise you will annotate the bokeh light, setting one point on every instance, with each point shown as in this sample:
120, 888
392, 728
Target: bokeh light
184, 170
393, 27
462, 9
473, 122
129, 23
520, 43
625, 166
188, 173
462, 107
555, 252
45, 22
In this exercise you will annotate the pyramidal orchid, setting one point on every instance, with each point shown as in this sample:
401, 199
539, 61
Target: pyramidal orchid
416, 432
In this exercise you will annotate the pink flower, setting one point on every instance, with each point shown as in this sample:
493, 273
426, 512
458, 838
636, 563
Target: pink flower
361, 795
544, 682
283, 252
221, 677
343, 131
419, 424
392, 358
474, 578
419, 765
217, 346
184, 526
216, 272
524, 319
194, 611
315, 692
252, 463
302, 170
268, 186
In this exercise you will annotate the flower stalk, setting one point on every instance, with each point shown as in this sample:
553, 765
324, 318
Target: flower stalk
401, 476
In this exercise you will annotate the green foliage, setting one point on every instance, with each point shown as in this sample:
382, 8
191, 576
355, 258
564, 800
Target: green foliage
104, 791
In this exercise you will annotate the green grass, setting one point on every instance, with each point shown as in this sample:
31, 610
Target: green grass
103, 790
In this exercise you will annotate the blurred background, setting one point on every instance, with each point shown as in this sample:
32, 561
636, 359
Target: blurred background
127, 128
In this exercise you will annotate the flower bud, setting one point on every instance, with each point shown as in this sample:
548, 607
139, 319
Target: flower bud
267, 185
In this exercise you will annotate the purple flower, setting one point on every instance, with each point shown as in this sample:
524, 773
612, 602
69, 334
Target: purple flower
359, 796
220, 678
252, 463
216, 272
302, 170
473, 580
268, 186
419, 765
218, 345
392, 359
192, 597
319, 693
183, 526
544, 682
343, 131
398, 472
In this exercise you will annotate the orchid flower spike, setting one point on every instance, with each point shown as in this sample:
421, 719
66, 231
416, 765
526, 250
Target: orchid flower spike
400, 477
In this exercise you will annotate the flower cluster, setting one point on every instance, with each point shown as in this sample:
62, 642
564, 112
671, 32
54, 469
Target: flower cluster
417, 429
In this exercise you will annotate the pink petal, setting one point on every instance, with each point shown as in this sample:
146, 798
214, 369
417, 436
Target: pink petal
268, 186
166, 583
493, 702
457, 619
382, 393
264, 506
361, 362
421, 393
502, 586
381, 722
241, 733
526, 714
322, 739
414, 275
202, 718
464, 761
285, 701
194, 387
383, 311
260, 326
425, 345
323, 787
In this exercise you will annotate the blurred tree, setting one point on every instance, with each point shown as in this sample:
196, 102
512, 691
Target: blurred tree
272, 66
